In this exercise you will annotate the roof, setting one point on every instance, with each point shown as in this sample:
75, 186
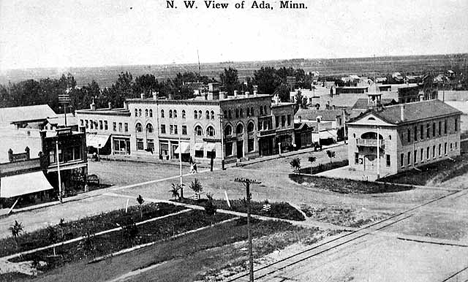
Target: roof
26, 113
363, 103
415, 111
312, 114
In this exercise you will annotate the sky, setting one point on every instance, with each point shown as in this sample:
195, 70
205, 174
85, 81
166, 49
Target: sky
91, 33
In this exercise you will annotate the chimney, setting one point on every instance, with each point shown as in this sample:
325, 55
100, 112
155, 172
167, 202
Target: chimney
125, 104
255, 90
235, 93
247, 94
142, 95
402, 111
155, 95
110, 105
92, 106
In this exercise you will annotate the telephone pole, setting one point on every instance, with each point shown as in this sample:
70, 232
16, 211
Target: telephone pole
247, 183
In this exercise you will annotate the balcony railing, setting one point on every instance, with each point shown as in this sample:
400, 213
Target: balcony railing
370, 142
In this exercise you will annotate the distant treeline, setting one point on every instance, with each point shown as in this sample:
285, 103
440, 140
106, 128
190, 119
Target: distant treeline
45, 91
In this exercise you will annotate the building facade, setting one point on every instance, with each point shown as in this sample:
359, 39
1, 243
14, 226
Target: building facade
401, 137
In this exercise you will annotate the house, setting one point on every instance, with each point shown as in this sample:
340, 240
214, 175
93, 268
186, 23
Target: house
327, 125
32, 117
388, 140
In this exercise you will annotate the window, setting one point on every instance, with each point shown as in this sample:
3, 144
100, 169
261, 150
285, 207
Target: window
283, 121
250, 127
82, 122
456, 125
198, 130
415, 133
445, 148
445, 126
433, 129
402, 158
200, 114
183, 113
138, 127
146, 112
428, 131
175, 113
230, 114
207, 115
91, 123
211, 154
456, 144
151, 115
126, 127
150, 145
225, 114
415, 160
162, 113
248, 112
101, 125
139, 112
265, 110
237, 113
440, 149
120, 127
433, 152
136, 112
289, 120
170, 113
428, 155
175, 129
212, 115
250, 145
163, 129
195, 114
114, 126
356, 158
106, 126
422, 155
409, 158
229, 149
184, 130
422, 131
210, 131
277, 121
199, 153
228, 130
388, 159
240, 129
171, 129
139, 143
409, 135
149, 128
87, 125
440, 128
252, 112
241, 113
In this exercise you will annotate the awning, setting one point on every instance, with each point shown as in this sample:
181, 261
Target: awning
22, 184
199, 146
210, 147
185, 148
96, 140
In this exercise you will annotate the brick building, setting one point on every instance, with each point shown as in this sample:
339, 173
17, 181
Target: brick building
395, 138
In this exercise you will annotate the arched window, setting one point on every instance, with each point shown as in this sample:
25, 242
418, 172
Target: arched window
138, 127
151, 113
200, 115
240, 128
183, 113
210, 131
162, 113
136, 112
207, 114
228, 130
175, 113
170, 113
212, 114
139, 112
250, 127
198, 130
195, 114
146, 112
149, 128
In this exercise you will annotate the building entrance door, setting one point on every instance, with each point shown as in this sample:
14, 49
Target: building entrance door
240, 149
370, 162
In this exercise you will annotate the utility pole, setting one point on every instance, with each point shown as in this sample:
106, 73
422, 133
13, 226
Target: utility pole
58, 170
221, 133
247, 183
180, 169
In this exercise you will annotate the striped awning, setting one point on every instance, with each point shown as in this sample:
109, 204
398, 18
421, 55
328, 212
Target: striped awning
199, 146
96, 140
185, 147
210, 147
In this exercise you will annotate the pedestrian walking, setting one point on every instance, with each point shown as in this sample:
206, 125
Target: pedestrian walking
195, 168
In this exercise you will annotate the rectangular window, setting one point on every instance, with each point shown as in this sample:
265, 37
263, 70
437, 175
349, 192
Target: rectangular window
250, 145
175, 130
415, 160
150, 145
422, 155
106, 125
388, 160
422, 131
409, 158
211, 154
356, 158
415, 133
451, 147
428, 131
402, 160
101, 125
433, 152
120, 127
456, 125
199, 153
114, 126
440, 128
428, 155
440, 149
229, 149
456, 145
86, 124
445, 126
126, 127
81, 122
139, 143
277, 122
283, 121
433, 129
445, 148
163, 129
409, 135
184, 130
289, 120
171, 129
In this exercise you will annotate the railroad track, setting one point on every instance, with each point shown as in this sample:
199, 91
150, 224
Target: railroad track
345, 239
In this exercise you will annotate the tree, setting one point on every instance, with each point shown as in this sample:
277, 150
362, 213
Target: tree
267, 80
296, 164
229, 80
312, 159
330, 154
283, 92
140, 201
210, 207
146, 83
197, 187
16, 230
175, 191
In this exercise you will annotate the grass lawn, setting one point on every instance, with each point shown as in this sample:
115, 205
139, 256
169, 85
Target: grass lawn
323, 167
347, 186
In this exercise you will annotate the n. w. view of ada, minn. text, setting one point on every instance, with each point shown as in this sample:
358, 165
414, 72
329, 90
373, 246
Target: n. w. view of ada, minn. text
210, 4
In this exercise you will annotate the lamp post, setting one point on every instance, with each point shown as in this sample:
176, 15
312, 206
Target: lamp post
58, 170
247, 183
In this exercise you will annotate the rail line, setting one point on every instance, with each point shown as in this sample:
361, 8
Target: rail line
339, 241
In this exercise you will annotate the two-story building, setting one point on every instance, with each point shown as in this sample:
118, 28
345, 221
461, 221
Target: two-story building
391, 139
